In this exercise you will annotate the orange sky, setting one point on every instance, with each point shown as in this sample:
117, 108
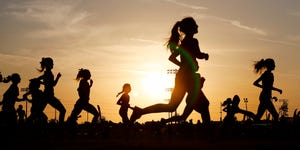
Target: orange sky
123, 41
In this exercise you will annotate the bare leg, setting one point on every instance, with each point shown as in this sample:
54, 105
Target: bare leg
260, 111
176, 98
273, 111
54, 102
91, 109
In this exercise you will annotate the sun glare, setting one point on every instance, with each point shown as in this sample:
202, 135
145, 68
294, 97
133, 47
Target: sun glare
157, 85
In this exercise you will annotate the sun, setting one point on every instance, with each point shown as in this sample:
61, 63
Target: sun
157, 85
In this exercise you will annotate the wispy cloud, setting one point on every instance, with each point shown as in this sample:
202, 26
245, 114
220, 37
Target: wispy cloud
187, 5
144, 41
56, 17
252, 29
279, 42
235, 23
10, 60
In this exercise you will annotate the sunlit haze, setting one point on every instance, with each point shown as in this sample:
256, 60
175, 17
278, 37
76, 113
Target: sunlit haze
124, 42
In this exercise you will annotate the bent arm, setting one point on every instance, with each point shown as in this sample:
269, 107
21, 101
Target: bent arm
40, 78
199, 54
256, 82
119, 102
173, 58
57, 78
277, 89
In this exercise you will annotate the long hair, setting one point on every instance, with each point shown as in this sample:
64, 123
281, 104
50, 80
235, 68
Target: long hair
45, 62
13, 77
82, 73
126, 87
186, 25
261, 65
174, 39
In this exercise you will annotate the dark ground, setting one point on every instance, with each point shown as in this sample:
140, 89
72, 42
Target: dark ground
154, 135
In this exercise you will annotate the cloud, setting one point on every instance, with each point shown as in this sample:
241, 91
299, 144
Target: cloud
14, 60
235, 23
145, 41
187, 5
279, 42
252, 29
56, 17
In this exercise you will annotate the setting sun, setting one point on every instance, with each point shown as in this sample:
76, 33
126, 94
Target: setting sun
158, 85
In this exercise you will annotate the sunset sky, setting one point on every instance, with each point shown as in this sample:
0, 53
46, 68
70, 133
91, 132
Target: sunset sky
123, 42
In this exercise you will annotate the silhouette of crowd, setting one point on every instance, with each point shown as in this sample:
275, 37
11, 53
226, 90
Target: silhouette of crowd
184, 50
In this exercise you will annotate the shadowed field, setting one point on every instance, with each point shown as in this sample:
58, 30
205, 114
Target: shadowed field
154, 135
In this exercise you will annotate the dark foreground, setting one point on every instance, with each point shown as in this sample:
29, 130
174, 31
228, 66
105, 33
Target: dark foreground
154, 135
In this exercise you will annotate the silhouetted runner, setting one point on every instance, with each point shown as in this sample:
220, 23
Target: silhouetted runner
188, 50
265, 68
10, 97
47, 79
124, 102
231, 107
82, 103
38, 103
